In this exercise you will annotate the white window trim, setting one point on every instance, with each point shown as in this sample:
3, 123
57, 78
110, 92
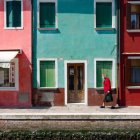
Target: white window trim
56, 14
65, 73
133, 87
16, 78
38, 72
5, 27
133, 30
134, 2
113, 14
133, 57
113, 72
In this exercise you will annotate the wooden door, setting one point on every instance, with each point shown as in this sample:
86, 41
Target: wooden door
76, 83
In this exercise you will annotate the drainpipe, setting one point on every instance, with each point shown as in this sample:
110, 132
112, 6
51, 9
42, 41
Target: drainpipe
118, 52
32, 52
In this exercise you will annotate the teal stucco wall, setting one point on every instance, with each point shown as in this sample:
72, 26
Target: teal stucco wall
75, 39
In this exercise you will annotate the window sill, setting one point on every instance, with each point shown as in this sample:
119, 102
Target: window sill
48, 29
14, 28
8, 89
101, 88
100, 29
42, 88
133, 87
133, 31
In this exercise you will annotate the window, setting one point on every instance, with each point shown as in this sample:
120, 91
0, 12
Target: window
103, 67
106, 66
8, 74
104, 15
135, 77
133, 16
47, 15
13, 15
133, 72
47, 74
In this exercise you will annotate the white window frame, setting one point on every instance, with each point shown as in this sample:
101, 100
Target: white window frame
113, 14
15, 60
133, 30
56, 14
5, 27
113, 85
38, 72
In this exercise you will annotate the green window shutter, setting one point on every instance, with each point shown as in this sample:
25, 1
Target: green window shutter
103, 67
17, 13
108, 69
13, 14
103, 14
47, 74
47, 15
9, 13
99, 74
128, 15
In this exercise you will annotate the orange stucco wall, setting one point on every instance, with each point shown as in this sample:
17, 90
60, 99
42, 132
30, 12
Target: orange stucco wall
18, 39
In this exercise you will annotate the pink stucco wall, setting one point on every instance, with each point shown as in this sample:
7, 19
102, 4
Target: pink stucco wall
18, 39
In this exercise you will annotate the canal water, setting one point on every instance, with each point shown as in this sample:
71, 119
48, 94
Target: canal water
70, 135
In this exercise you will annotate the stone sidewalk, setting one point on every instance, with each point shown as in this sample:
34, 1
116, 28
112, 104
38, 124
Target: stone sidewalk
71, 112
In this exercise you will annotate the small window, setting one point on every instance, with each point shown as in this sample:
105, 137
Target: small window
13, 14
47, 15
8, 75
133, 16
47, 74
135, 76
103, 67
103, 14
133, 72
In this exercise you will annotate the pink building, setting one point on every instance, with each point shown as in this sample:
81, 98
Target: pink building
15, 53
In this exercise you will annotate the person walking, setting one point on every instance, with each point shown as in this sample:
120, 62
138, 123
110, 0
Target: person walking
107, 91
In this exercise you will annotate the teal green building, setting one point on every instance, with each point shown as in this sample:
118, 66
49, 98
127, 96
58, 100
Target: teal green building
74, 43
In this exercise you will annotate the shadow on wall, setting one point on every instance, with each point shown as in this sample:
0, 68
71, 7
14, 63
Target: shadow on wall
72, 7
57, 31
80, 7
113, 31
24, 95
75, 6
24, 68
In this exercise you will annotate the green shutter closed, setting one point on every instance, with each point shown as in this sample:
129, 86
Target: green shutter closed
47, 74
47, 15
103, 14
103, 67
9, 13
99, 72
17, 14
13, 14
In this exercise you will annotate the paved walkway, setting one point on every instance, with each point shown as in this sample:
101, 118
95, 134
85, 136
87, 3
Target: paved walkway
72, 112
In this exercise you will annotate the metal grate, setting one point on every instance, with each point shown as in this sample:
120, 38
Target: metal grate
47, 97
23, 97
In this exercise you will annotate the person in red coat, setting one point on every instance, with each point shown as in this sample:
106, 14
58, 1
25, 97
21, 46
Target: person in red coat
107, 89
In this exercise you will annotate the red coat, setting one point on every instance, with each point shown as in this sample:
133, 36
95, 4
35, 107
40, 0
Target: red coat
107, 84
